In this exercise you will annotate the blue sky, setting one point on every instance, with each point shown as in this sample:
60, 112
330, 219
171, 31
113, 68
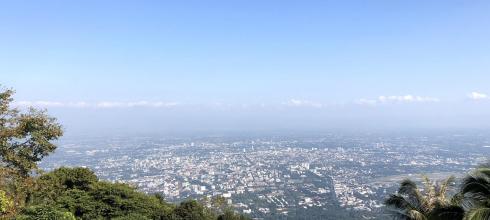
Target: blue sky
198, 65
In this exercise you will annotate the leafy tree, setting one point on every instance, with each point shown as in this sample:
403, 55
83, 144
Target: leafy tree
189, 210
78, 202
55, 183
410, 203
475, 192
121, 199
132, 216
231, 215
78, 191
219, 205
25, 138
45, 213
5, 202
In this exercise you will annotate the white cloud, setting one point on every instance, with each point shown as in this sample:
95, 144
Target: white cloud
303, 103
407, 98
478, 96
42, 104
109, 104
106, 104
135, 104
367, 102
397, 99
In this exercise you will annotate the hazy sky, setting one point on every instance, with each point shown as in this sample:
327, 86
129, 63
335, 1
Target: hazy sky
249, 65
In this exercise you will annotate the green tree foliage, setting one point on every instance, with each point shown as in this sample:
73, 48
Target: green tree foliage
471, 202
25, 138
5, 202
219, 205
231, 215
190, 210
475, 192
45, 213
411, 203
51, 185
78, 191
132, 216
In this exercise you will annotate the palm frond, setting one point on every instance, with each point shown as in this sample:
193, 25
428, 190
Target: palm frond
398, 202
411, 203
444, 187
416, 215
429, 186
472, 200
475, 185
413, 195
483, 172
457, 199
478, 214
407, 186
476, 188
447, 212
400, 208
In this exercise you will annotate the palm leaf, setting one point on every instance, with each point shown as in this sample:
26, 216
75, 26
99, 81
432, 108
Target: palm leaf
457, 198
478, 214
416, 215
475, 191
444, 187
409, 189
447, 212
475, 185
400, 208
483, 172
429, 186
398, 202
407, 186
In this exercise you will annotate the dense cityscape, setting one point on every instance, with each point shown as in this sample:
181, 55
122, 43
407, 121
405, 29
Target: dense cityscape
277, 177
